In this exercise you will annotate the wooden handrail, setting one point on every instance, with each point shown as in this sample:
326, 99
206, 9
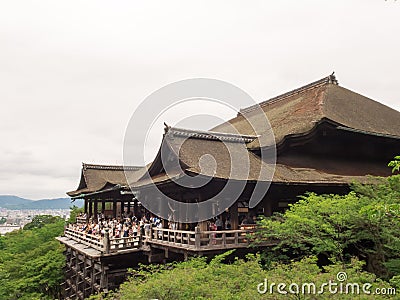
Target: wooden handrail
199, 240
103, 244
81, 220
86, 239
194, 240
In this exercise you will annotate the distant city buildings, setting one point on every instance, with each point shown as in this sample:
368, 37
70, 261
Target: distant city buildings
11, 220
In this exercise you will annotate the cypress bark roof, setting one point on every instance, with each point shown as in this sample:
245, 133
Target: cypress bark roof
94, 178
206, 153
210, 153
298, 111
187, 147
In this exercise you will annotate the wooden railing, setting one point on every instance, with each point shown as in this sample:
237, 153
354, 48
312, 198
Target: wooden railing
191, 240
201, 240
106, 244
117, 244
81, 220
87, 239
180, 238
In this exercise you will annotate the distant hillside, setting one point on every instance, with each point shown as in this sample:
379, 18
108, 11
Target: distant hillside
14, 202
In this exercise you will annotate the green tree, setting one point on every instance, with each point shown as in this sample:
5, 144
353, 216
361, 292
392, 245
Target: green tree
197, 279
40, 221
75, 211
364, 223
31, 261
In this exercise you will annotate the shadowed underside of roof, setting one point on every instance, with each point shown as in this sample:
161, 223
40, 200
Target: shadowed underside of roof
96, 177
251, 168
289, 174
300, 110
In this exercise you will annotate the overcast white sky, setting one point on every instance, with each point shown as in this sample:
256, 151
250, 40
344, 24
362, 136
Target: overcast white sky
72, 72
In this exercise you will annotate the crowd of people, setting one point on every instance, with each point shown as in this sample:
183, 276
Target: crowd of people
131, 226
127, 226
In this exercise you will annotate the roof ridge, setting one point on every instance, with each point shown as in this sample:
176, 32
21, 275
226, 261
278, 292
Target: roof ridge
321, 82
86, 166
209, 135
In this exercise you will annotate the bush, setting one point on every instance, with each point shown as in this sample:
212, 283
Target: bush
195, 279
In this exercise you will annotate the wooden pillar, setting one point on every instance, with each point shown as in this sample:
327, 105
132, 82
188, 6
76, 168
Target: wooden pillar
122, 208
135, 208
90, 208
114, 204
104, 277
84, 277
86, 206
76, 272
106, 241
199, 213
197, 237
103, 206
234, 215
93, 275
267, 207
186, 209
129, 206
181, 227
203, 226
95, 209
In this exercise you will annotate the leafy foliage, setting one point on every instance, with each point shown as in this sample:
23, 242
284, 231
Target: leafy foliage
40, 221
395, 164
195, 279
364, 222
75, 211
31, 260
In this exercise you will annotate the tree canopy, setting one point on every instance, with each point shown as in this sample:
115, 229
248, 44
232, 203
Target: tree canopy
364, 223
31, 260
241, 279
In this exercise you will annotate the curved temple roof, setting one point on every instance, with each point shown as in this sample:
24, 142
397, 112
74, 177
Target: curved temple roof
188, 147
94, 178
300, 110
205, 153
210, 153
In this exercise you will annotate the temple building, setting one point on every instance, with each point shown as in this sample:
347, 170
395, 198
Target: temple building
325, 138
